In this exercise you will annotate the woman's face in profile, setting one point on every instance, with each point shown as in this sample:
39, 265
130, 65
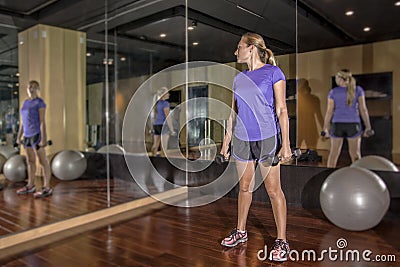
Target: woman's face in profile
32, 91
242, 52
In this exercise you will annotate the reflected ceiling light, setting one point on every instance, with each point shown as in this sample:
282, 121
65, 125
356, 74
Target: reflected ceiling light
15, 92
17, 84
17, 74
88, 54
108, 61
349, 13
249, 11
163, 35
123, 58
195, 43
397, 3
366, 29
193, 25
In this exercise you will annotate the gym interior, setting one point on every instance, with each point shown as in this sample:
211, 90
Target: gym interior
100, 65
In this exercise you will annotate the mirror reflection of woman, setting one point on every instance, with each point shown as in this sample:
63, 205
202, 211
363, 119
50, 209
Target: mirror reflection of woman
33, 129
162, 125
346, 103
258, 132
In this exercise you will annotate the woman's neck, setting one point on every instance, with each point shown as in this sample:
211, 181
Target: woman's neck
255, 64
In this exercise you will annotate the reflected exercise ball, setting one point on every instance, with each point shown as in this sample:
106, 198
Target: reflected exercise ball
68, 165
15, 168
376, 163
8, 151
2, 162
354, 198
113, 148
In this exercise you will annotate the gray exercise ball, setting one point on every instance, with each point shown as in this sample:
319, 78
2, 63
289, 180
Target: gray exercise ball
68, 165
354, 198
15, 168
2, 162
113, 149
8, 151
376, 163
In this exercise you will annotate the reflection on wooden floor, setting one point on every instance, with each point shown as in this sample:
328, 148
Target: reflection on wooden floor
190, 237
70, 198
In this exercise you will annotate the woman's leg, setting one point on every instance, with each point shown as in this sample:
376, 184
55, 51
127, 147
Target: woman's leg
156, 144
44, 163
31, 165
336, 147
246, 175
164, 143
272, 182
354, 148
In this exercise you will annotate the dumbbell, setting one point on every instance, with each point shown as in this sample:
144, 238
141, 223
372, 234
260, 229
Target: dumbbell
323, 133
49, 142
295, 154
369, 133
219, 158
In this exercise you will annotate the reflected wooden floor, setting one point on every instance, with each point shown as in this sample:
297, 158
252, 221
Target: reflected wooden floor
190, 237
70, 199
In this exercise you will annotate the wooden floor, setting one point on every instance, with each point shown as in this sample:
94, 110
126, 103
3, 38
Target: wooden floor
190, 237
70, 199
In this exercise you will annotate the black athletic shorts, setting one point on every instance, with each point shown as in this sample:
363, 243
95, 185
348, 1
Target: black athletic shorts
345, 130
160, 129
32, 141
260, 151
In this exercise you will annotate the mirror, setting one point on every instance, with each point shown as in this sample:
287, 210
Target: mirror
332, 37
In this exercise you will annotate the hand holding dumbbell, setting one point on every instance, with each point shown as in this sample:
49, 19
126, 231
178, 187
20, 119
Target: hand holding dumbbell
49, 142
295, 154
220, 158
369, 133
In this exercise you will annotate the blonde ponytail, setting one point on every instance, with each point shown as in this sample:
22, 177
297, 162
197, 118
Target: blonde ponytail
351, 90
271, 58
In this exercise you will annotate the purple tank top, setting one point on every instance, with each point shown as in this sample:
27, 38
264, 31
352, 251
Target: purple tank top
30, 116
254, 96
343, 112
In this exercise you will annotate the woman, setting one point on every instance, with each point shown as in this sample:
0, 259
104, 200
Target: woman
33, 128
260, 131
160, 129
342, 119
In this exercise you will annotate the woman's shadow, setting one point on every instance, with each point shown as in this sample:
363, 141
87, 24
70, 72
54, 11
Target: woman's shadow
309, 115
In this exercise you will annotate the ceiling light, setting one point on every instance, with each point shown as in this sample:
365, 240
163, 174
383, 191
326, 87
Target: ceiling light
88, 54
163, 35
195, 43
17, 74
349, 13
397, 3
190, 28
123, 58
366, 29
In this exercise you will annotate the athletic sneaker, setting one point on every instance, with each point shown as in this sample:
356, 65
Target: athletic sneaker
236, 237
44, 193
280, 251
26, 190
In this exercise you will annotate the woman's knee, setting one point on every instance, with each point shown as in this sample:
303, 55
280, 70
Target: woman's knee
275, 193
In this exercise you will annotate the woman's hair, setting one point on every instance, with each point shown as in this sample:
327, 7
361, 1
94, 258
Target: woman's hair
265, 54
162, 91
346, 75
34, 84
